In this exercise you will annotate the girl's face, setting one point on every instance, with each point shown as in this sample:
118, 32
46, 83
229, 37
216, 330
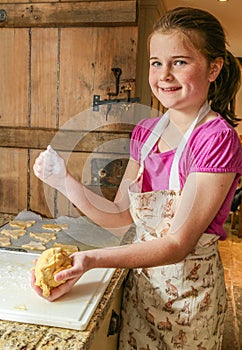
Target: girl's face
179, 75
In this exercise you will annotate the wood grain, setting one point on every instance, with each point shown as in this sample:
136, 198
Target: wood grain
67, 140
66, 14
14, 77
13, 180
44, 77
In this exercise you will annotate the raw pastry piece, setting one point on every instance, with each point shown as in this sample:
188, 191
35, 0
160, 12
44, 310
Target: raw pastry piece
13, 233
48, 264
5, 242
44, 236
22, 224
32, 245
52, 227
68, 248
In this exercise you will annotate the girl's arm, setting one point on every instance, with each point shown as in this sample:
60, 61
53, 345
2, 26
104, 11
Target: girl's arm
202, 197
114, 216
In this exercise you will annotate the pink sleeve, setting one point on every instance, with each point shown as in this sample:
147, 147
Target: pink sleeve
217, 152
139, 135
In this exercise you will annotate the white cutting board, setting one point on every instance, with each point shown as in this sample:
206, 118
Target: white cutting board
18, 301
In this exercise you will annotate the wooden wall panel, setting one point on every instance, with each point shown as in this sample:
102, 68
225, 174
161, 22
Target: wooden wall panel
50, 72
87, 58
13, 179
44, 77
14, 65
76, 141
66, 14
77, 74
10, 1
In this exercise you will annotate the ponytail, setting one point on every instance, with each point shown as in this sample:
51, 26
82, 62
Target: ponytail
222, 92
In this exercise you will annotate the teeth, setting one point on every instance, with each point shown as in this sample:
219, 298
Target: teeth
170, 89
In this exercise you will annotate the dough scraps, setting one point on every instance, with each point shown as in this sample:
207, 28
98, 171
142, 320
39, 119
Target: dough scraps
52, 227
48, 264
21, 223
5, 242
13, 233
68, 248
44, 236
32, 245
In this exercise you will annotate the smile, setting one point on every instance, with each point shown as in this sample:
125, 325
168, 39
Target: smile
170, 89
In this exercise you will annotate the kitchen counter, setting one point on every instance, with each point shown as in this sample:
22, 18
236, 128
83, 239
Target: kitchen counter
21, 336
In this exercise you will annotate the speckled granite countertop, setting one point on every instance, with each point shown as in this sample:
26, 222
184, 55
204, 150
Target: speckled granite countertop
21, 336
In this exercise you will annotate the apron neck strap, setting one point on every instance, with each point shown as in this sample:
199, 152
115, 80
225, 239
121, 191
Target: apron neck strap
154, 136
174, 182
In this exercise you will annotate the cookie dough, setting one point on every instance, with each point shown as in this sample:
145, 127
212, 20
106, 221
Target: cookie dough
22, 224
33, 245
13, 233
44, 236
52, 227
68, 248
5, 242
48, 264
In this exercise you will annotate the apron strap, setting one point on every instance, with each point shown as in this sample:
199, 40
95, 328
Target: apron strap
154, 136
174, 181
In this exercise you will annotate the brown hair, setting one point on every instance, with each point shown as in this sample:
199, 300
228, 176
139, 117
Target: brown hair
212, 44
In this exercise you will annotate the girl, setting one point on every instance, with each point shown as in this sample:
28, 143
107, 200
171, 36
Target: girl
179, 185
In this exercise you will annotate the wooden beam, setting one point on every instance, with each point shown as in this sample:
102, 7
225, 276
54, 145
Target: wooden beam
68, 14
62, 140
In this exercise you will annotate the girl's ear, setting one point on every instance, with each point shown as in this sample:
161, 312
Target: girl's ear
215, 68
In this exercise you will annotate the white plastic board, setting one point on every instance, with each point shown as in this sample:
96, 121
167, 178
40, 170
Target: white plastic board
18, 301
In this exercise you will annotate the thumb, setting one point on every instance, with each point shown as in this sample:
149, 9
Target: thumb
50, 149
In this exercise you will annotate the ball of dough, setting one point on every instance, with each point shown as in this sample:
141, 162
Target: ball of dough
48, 264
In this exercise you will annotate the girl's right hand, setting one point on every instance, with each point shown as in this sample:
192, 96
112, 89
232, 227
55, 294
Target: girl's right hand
50, 168
80, 264
56, 292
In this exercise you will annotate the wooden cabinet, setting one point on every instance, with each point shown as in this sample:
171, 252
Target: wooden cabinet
55, 56
107, 336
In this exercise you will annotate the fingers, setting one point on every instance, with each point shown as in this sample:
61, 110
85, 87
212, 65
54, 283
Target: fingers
45, 163
38, 167
68, 274
37, 289
56, 292
50, 149
61, 290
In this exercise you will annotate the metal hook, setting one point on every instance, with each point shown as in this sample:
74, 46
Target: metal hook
117, 73
3, 15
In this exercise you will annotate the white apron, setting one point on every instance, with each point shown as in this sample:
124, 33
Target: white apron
179, 306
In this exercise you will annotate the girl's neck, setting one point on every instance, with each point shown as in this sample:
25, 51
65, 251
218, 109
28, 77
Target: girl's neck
181, 120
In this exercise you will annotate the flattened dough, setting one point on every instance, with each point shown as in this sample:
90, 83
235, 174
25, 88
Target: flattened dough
33, 245
52, 227
5, 242
13, 233
44, 236
21, 223
48, 264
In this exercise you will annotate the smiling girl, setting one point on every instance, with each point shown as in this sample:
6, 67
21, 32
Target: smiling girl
182, 174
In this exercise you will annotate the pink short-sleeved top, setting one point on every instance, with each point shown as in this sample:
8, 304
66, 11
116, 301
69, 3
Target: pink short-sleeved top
213, 147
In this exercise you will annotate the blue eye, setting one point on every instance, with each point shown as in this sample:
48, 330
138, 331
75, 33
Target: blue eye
179, 63
155, 64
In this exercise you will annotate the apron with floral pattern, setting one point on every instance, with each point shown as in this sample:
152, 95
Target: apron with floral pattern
178, 306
